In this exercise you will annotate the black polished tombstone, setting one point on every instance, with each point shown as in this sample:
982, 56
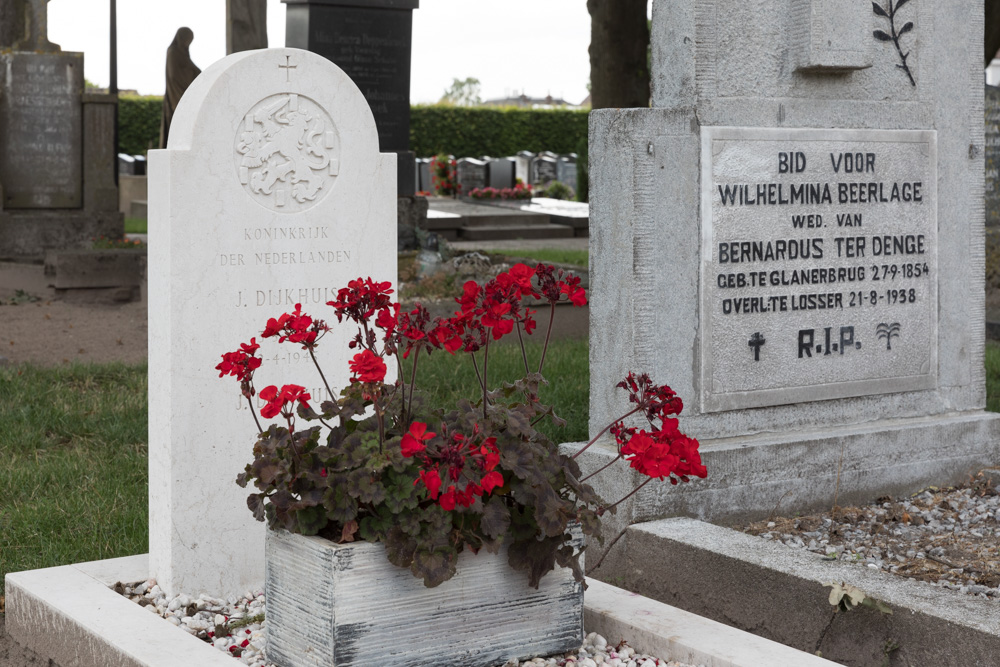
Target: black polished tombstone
370, 40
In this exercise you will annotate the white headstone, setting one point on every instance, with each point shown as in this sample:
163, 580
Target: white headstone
271, 192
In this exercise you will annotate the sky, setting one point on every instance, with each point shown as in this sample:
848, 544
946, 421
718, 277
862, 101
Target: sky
538, 47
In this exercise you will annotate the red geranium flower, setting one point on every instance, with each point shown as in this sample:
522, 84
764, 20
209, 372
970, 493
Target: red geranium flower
367, 367
413, 440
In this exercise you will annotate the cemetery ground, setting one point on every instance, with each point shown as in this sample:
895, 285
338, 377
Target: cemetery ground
75, 443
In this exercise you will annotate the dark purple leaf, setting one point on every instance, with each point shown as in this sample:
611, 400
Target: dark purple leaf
898, 5
905, 29
881, 36
878, 10
496, 518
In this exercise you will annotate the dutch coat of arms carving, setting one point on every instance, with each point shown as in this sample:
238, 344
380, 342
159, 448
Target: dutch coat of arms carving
287, 152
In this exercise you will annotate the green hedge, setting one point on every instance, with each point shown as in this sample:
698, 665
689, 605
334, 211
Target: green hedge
474, 131
139, 123
460, 131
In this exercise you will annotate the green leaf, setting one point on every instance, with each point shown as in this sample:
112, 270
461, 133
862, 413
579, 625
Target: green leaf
339, 506
496, 518
881, 36
878, 10
365, 488
375, 527
310, 520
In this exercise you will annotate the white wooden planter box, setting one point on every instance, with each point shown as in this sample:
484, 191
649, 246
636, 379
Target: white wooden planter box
345, 604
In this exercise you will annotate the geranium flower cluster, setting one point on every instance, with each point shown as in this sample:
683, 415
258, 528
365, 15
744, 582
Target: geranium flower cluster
518, 192
442, 169
464, 467
432, 482
663, 451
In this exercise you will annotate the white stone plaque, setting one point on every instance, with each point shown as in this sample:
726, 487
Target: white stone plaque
819, 264
271, 192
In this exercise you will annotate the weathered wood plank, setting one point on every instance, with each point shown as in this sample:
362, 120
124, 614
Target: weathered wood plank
346, 605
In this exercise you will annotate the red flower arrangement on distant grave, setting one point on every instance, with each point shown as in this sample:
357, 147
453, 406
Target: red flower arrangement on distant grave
429, 483
443, 179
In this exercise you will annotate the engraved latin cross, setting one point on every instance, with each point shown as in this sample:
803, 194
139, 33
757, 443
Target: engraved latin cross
288, 67
756, 341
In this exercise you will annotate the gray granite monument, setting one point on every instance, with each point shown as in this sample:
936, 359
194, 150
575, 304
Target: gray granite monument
57, 162
470, 174
792, 239
246, 25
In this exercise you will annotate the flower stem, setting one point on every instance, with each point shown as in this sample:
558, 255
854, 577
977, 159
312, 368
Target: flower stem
524, 355
253, 413
605, 430
326, 384
548, 334
602, 468
630, 494
413, 381
486, 362
475, 365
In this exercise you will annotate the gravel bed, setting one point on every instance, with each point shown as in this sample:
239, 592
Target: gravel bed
946, 537
237, 626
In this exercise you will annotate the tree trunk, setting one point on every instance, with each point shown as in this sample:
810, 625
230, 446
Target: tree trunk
991, 31
619, 41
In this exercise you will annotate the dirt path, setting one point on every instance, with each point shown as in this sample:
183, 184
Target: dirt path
50, 333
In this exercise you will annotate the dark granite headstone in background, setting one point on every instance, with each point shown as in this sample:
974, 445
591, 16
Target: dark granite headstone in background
370, 40
57, 187
470, 174
41, 116
992, 109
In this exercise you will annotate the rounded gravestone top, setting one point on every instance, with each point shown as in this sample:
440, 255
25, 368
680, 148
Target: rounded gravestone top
287, 152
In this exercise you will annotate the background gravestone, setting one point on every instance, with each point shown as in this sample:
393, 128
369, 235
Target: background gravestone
792, 239
370, 40
566, 171
522, 168
277, 223
543, 170
470, 174
246, 25
500, 173
57, 158
992, 143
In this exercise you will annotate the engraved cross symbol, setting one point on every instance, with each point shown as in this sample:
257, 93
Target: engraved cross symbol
756, 341
288, 67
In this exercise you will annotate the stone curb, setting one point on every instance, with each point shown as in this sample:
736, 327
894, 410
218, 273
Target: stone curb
782, 593
70, 615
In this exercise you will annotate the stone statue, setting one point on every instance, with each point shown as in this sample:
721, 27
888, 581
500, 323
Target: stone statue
246, 25
181, 71
24, 26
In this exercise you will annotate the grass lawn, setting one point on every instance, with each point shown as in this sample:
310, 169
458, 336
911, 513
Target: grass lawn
135, 226
992, 376
73, 442
551, 255
74, 448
